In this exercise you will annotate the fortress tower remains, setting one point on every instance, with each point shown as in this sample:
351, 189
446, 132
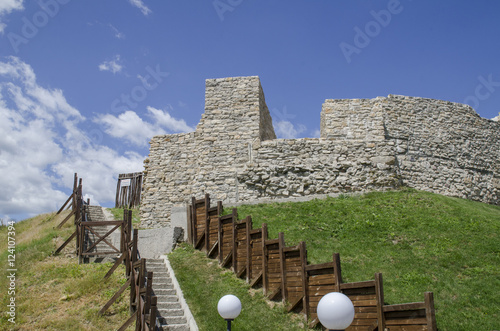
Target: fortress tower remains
364, 144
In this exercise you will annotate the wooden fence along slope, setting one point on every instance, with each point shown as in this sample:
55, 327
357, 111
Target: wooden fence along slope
284, 274
143, 303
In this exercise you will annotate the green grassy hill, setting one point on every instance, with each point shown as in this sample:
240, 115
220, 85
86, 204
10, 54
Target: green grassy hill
419, 241
55, 292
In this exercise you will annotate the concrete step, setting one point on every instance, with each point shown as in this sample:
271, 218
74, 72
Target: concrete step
163, 286
158, 273
175, 327
168, 305
166, 297
169, 319
164, 291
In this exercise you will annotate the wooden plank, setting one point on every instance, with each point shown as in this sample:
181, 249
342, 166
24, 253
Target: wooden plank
409, 321
115, 265
407, 328
362, 297
227, 259
327, 265
214, 249
114, 297
102, 223
241, 271
295, 304
129, 321
272, 242
368, 283
275, 293
67, 201
65, 243
405, 306
66, 218
200, 240
256, 280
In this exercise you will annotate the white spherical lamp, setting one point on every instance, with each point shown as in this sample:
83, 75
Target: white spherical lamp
335, 311
229, 307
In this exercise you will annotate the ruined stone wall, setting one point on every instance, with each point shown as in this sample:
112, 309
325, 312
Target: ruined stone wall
444, 147
365, 144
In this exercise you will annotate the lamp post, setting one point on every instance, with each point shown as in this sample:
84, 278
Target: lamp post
229, 308
335, 311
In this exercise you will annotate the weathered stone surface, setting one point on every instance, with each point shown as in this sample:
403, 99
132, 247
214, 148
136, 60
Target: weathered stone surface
365, 144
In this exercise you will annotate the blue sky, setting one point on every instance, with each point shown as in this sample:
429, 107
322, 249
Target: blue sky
85, 84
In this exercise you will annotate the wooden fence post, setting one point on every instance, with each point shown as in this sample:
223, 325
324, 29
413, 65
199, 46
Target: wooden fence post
152, 314
194, 224
430, 313
264, 260
207, 223
379, 292
281, 245
220, 238
337, 271
248, 248
234, 264
303, 264
189, 223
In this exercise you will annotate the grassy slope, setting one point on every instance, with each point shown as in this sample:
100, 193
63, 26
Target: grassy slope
54, 292
203, 283
419, 241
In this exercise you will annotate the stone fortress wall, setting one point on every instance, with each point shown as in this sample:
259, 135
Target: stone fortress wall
364, 145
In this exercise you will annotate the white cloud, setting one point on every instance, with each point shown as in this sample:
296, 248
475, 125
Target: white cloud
6, 7
496, 119
139, 4
287, 130
316, 133
42, 147
131, 127
117, 33
114, 65
164, 119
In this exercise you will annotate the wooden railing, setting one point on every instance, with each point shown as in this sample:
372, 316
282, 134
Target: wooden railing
283, 272
142, 301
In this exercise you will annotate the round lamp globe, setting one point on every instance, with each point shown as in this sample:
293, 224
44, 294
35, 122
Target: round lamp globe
229, 307
335, 311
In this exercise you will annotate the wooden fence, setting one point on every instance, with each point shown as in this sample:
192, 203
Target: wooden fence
283, 272
128, 190
142, 301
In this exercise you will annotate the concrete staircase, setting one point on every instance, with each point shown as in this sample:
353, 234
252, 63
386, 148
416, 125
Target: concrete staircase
170, 311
